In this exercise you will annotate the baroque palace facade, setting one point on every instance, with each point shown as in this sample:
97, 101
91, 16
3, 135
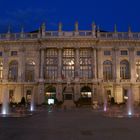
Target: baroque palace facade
70, 65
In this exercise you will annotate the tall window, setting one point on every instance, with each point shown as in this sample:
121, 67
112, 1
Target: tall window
1, 70
51, 64
138, 70
107, 70
68, 63
30, 71
85, 63
13, 71
124, 69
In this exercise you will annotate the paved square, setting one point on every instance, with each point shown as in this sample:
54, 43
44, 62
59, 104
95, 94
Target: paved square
76, 124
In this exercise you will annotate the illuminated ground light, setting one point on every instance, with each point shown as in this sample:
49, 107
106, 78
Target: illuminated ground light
32, 108
105, 109
4, 112
129, 113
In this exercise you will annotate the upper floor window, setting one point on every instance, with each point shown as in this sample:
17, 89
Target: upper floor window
14, 53
124, 52
138, 53
0, 54
124, 69
13, 71
107, 52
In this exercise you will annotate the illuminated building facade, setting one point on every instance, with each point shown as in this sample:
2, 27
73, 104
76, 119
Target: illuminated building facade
70, 65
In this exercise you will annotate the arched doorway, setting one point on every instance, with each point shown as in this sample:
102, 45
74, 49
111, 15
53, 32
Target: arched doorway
50, 95
86, 95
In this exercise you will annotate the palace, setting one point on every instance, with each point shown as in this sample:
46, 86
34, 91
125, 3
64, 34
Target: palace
70, 66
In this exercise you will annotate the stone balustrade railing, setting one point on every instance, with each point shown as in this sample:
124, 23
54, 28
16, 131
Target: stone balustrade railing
66, 34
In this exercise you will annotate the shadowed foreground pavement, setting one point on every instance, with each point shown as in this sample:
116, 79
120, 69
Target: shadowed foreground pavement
78, 124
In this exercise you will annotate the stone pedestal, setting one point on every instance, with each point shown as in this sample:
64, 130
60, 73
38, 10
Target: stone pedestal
68, 97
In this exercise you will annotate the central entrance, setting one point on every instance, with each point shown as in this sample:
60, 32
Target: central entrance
68, 96
86, 96
50, 95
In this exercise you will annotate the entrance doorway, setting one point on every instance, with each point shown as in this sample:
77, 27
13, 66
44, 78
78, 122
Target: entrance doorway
125, 96
28, 96
86, 95
50, 95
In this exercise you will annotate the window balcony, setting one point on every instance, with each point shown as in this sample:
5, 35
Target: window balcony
125, 80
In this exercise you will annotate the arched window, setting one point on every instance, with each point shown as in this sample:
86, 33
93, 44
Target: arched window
13, 71
138, 70
107, 70
1, 70
124, 69
30, 71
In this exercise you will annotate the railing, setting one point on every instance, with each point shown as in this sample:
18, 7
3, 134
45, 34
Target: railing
67, 34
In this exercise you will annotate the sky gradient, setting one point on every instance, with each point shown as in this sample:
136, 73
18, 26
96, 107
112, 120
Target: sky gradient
105, 13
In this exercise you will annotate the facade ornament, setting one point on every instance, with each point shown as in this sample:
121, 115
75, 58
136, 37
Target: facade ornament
115, 28
22, 29
9, 29
60, 27
93, 26
76, 26
129, 29
43, 29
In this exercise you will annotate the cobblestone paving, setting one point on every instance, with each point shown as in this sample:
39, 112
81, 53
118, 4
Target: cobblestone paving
76, 124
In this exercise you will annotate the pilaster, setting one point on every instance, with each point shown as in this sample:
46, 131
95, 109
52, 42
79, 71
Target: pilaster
77, 63
59, 63
132, 64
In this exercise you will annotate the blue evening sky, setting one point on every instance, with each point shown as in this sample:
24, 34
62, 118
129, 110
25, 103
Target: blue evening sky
106, 13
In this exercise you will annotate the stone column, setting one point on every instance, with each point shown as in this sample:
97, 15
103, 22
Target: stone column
114, 63
59, 95
37, 65
21, 65
94, 63
77, 64
132, 64
42, 65
117, 64
100, 64
59, 64
77, 92
41, 93
6, 64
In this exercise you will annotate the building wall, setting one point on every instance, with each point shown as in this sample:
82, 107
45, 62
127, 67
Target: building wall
35, 50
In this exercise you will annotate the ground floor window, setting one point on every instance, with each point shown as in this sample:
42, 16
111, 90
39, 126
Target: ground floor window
28, 96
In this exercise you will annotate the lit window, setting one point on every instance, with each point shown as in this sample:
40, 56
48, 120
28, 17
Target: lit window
13, 71
1, 70
107, 53
51, 64
124, 69
107, 70
68, 63
85, 64
124, 52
